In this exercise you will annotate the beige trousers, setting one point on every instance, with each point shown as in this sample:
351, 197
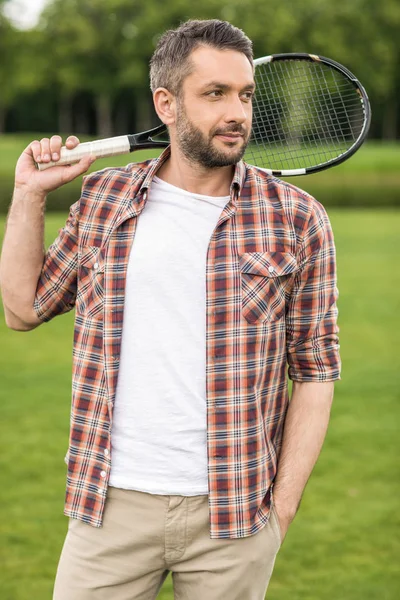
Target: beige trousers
145, 536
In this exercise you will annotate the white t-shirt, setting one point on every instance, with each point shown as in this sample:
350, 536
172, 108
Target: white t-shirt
159, 431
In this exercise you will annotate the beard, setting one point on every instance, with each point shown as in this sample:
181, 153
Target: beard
199, 148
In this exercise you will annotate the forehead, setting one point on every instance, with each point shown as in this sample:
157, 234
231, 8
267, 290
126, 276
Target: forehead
227, 66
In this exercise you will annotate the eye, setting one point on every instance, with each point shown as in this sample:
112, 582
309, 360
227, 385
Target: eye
215, 93
247, 96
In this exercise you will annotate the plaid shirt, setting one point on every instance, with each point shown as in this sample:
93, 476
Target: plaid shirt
271, 292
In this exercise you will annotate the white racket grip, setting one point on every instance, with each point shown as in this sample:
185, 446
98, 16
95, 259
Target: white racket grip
99, 148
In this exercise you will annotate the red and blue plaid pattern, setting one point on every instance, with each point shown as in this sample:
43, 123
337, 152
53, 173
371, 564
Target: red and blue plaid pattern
271, 293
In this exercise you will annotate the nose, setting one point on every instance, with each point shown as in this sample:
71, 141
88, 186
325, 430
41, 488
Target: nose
237, 111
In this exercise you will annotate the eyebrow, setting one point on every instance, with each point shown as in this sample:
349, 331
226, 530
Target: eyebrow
226, 87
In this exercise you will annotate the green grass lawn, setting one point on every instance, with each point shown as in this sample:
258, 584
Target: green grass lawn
344, 542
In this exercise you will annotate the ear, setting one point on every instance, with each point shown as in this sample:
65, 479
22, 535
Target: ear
165, 105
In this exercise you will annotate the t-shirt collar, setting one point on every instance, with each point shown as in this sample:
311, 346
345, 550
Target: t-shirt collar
154, 165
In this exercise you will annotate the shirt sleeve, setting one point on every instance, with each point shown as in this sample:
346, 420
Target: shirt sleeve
312, 331
56, 289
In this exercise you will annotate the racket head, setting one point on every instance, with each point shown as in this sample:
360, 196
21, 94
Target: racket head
309, 113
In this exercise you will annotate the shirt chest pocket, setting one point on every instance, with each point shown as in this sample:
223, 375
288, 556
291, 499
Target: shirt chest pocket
90, 294
266, 279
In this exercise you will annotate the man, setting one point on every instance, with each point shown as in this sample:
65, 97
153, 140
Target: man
196, 279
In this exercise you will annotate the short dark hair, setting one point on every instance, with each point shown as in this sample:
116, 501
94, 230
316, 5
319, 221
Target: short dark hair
170, 62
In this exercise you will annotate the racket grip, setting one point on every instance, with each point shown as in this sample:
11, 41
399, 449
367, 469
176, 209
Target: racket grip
99, 148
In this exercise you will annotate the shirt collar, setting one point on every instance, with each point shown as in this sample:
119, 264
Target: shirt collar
236, 185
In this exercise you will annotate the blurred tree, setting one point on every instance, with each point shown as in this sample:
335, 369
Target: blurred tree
104, 46
361, 34
364, 36
100, 46
7, 52
99, 50
68, 37
23, 64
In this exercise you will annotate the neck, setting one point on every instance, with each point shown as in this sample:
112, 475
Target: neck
178, 170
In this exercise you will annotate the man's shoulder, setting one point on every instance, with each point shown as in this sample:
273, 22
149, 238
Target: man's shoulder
105, 195
297, 204
128, 174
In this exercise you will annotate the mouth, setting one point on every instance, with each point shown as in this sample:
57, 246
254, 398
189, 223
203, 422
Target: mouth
229, 136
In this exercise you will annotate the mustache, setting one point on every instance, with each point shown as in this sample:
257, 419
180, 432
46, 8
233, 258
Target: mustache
232, 129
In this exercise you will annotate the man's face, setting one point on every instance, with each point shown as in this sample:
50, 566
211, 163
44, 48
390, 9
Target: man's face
214, 108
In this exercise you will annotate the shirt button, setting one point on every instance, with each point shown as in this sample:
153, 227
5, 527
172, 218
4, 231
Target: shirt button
271, 269
96, 265
106, 451
103, 474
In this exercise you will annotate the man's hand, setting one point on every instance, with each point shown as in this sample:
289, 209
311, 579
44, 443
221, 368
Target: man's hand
285, 517
305, 428
23, 248
29, 180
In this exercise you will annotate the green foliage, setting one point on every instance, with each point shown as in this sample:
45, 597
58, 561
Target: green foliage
345, 540
103, 46
7, 52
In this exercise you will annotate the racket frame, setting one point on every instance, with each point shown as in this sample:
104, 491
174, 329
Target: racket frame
363, 99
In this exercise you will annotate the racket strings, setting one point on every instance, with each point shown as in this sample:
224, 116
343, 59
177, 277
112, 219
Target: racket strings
304, 114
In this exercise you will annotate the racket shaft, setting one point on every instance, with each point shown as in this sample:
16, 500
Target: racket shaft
98, 148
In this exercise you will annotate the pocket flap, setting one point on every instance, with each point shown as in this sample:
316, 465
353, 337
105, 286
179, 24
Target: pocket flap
268, 264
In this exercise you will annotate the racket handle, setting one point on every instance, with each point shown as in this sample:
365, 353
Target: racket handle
99, 148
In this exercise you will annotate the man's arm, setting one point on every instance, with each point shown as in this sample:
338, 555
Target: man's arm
23, 247
22, 259
304, 433
314, 361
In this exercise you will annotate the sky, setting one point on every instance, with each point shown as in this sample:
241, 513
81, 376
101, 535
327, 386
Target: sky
24, 13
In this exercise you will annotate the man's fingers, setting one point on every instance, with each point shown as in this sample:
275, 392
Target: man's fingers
72, 141
50, 149
55, 147
49, 179
35, 148
79, 168
45, 150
